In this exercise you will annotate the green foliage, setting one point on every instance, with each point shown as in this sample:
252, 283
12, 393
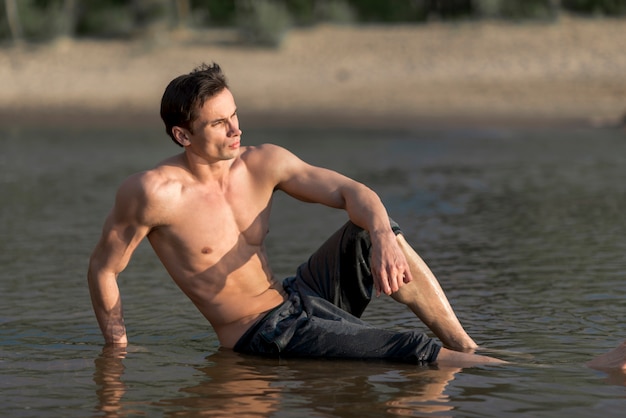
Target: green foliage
391, 11
593, 7
214, 12
39, 19
487, 8
265, 22
515, 9
302, 12
106, 19
337, 11
119, 18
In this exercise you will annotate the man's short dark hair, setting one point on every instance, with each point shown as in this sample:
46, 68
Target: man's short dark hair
186, 94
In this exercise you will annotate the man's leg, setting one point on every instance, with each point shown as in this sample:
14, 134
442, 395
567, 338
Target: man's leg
424, 296
338, 271
339, 274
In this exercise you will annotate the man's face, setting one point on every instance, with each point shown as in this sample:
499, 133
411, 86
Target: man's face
215, 134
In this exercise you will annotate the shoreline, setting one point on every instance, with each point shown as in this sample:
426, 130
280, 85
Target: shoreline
88, 118
568, 73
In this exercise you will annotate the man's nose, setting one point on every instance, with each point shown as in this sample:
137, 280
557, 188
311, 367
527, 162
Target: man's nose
233, 129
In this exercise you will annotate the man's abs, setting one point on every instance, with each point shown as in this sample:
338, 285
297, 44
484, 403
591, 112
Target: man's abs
228, 334
232, 301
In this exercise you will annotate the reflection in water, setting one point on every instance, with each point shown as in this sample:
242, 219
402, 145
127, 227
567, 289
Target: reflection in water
234, 385
108, 378
231, 386
616, 377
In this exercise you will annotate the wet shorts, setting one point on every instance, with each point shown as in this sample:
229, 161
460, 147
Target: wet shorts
320, 317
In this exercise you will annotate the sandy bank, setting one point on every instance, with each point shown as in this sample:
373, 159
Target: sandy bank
573, 70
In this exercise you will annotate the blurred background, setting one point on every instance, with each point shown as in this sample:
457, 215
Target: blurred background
342, 61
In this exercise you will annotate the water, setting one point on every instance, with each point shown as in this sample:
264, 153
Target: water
524, 228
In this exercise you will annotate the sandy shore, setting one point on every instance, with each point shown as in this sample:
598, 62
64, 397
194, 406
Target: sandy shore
573, 71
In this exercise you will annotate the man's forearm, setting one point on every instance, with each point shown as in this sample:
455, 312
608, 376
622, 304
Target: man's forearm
107, 305
366, 210
388, 263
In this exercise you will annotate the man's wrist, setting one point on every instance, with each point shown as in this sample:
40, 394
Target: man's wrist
119, 341
381, 234
116, 335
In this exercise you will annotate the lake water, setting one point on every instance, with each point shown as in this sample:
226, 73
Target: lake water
525, 229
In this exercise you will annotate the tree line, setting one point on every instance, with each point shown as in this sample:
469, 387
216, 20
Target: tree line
260, 21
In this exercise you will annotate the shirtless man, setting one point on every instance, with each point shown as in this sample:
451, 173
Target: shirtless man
206, 212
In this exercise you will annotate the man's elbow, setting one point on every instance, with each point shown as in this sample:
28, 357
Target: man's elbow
93, 269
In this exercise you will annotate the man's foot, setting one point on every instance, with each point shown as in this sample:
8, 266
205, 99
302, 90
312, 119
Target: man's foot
613, 360
452, 358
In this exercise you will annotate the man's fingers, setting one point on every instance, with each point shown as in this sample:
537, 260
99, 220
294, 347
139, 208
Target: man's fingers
407, 276
390, 282
383, 283
399, 279
377, 287
386, 286
378, 284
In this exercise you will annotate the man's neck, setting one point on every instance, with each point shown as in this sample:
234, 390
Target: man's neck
205, 171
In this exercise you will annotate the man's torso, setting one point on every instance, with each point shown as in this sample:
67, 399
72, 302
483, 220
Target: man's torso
211, 241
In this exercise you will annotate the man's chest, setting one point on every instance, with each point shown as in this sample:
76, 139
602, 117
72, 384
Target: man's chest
216, 219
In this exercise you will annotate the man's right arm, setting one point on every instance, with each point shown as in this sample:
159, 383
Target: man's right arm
123, 230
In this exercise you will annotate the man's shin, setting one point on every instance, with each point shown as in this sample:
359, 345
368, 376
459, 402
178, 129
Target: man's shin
425, 297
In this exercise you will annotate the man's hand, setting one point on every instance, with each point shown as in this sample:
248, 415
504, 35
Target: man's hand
389, 266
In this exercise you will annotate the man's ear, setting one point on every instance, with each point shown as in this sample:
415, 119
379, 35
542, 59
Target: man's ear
181, 135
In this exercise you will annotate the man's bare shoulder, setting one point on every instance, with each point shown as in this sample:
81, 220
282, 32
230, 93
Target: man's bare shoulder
154, 181
145, 194
262, 151
266, 157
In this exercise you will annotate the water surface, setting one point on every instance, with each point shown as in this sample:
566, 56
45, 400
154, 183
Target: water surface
524, 228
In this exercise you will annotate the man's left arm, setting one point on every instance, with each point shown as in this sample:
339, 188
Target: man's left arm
388, 263
363, 206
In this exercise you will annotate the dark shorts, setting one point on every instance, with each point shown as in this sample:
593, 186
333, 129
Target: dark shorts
320, 317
